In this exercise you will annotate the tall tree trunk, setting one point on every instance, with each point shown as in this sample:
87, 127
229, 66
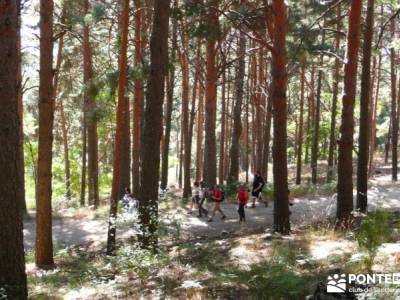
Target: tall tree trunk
180, 157
345, 163
335, 92
193, 105
122, 111
64, 129
395, 125
67, 165
152, 129
44, 242
138, 105
247, 132
267, 139
374, 110
300, 132
260, 110
279, 104
184, 58
84, 154
237, 114
92, 148
388, 143
21, 159
363, 144
210, 149
199, 131
315, 142
126, 153
228, 126
12, 257
311, 113
169, 108
222, 139
126, 134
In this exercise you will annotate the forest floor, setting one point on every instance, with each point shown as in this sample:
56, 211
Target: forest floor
80, 227
218, 260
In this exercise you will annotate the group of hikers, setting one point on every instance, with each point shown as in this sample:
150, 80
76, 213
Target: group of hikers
216, 195
201, 194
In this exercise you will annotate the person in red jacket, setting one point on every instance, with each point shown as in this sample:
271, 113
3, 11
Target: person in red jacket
242, 197
216, 196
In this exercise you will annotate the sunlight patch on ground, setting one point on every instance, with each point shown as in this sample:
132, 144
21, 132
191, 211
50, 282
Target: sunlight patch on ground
323, 249
196, 222
83, 293
249, 251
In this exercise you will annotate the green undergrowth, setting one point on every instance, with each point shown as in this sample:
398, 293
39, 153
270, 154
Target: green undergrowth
256, 266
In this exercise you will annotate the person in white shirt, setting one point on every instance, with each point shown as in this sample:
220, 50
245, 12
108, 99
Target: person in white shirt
195, 196
203, 193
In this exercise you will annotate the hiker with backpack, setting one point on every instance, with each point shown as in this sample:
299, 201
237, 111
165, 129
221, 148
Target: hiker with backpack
242, 197
217, 195
258, 185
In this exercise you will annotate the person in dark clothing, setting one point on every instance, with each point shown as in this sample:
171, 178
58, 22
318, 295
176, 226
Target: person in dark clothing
258, 185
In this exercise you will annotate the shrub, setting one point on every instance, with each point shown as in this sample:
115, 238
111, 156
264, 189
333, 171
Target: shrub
374, 231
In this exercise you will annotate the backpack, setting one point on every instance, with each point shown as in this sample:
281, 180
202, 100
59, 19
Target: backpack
222, 195
242, 196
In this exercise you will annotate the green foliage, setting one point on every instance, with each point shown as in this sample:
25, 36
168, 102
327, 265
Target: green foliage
230, 188
374, 231
132, 259
277, 281
284, 253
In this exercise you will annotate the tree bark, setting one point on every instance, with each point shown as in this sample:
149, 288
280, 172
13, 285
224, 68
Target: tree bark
169, 108
193, 104
267, 139
335, 92
138, 105
92, 148
44, 242
21, 159
152, 129
237, 114
364, 135
300, 131
259, 110
199, 131
311, 113
374, 110
388, 143
126, 134
317, 117
345, 163
122, 111
247, 124
222, 139
279, 104
84, 154
60, 106
184, 59
395, 125
12, 257
210, 149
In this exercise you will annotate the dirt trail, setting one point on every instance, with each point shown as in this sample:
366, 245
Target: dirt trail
76, 231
